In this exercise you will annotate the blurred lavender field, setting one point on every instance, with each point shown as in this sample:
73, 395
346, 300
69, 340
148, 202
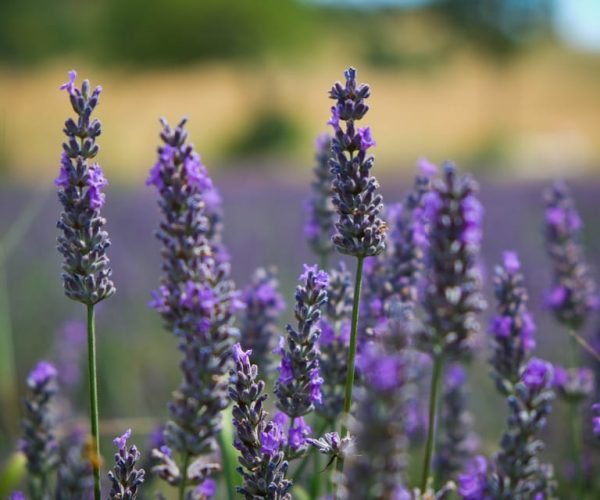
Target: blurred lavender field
263, 226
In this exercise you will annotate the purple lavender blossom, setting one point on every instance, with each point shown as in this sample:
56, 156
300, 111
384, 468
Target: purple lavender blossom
512, 328
574, 293
457, 441
197, 301
38, 442
206, 490
262, 459
596, 420
319, 207
125, 477
518, 472
334, 341
298, 388
574, 385
83, 242
452, 297
377, 468
359, 230
258, 323
472, 484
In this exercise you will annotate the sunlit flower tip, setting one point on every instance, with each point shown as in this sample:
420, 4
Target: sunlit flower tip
366, 139
426, 167
41, 374
239, 355
121, 441
511, 261
70, 85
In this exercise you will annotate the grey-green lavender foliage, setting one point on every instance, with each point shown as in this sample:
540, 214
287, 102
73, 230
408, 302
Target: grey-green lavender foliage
83, 242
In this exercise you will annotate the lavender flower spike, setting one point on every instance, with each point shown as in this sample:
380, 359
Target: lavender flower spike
359, 231
518, 472
259, 441
319, 207
38, 443
258, 324
198, 301
574, 294
83, 243
377, 469
512, 328
125, 477
452, 297
298, 387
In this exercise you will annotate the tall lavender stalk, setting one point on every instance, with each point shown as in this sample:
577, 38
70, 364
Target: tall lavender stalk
258, 322
298, 388
197, 301
377, 469
319, 208
574, 293
262, 460
525, 383
359, 231
452, 297
83, 243
39, 444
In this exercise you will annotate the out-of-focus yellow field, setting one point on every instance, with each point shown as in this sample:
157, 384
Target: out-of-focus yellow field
537, 116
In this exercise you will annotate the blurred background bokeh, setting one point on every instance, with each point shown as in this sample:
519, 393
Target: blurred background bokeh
509, 89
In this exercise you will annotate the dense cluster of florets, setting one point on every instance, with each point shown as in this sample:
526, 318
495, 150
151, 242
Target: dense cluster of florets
83, 243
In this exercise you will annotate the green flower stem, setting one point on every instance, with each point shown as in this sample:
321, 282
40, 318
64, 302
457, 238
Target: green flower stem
227, 455
574, 414
93, 387
350, 365
184, 468
438, 364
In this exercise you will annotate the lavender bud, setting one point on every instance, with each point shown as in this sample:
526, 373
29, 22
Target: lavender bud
512, 329
319, 207
258, 324
473, 483
574, 294
452, 296
262, 459
83, 244
458, 442
332, 445
125, 477
334, 341
359, 230
38, 442
298, 387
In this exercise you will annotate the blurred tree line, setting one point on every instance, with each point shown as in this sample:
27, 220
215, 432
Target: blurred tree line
165, 32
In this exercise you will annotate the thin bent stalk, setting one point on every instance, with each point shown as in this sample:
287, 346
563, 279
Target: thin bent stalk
350, 365
433, 397
93, 388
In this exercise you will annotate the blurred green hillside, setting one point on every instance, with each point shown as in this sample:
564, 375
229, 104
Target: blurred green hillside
485, 83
